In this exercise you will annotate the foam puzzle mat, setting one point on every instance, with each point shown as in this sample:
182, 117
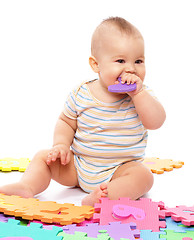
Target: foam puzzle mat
120, 219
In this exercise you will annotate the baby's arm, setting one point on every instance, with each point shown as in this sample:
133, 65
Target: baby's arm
63, 137
149, 109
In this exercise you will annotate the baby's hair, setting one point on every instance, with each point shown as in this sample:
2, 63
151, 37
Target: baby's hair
121, 24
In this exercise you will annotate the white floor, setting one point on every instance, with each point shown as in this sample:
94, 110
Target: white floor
173, 188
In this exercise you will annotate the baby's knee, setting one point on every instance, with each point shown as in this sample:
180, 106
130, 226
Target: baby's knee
41, 155
148, 178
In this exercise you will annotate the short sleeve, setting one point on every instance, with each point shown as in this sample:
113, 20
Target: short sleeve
70, 105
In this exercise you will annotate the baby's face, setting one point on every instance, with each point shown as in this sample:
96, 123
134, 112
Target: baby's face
120, 53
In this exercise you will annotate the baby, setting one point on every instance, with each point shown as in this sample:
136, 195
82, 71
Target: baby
100, 137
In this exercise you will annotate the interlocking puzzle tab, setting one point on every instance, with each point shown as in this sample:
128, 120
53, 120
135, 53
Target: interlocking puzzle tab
158, 165
10, 164
180, 213
45, 211
151, 210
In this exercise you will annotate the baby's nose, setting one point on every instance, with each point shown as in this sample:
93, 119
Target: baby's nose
130, 68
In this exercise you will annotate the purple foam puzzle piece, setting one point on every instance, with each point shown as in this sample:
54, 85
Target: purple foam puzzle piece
4, 218
115, 230
121, 87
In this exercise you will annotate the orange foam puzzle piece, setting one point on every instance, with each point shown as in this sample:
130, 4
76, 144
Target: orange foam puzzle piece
158, 165
45, 211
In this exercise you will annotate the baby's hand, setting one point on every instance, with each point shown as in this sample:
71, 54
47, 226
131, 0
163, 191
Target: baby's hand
59, 151
131, 79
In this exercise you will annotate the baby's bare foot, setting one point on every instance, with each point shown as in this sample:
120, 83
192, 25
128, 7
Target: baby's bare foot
19, 189
93, 197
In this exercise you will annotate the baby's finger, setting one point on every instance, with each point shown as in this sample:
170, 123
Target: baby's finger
123, 79
68, 157
55, 154
126, 78
49, 157
63, 157
134, 79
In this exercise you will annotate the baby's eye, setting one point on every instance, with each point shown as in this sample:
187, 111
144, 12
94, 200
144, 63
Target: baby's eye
120, 60
139, 61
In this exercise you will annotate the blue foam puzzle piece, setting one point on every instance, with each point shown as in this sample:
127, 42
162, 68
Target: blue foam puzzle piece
12, 228
149, 235
176, 226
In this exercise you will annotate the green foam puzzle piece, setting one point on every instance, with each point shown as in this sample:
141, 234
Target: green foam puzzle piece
83, 236
171, 235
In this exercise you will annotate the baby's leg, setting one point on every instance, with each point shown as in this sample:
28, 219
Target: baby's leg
93, 197
131, 180
37, 176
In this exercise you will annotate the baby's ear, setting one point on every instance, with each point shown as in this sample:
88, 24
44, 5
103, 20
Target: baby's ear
94, 64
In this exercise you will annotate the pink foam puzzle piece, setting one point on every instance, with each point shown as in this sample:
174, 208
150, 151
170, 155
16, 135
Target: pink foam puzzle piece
115, 230
180, 213
151, 221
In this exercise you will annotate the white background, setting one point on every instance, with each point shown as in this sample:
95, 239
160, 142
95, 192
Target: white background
44, 50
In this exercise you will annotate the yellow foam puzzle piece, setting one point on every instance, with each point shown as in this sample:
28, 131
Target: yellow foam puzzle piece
13, 164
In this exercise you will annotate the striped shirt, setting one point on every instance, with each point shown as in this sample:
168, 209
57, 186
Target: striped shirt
107, 135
